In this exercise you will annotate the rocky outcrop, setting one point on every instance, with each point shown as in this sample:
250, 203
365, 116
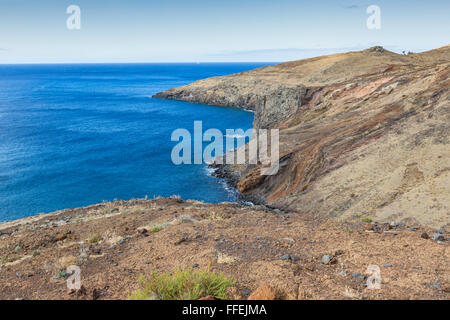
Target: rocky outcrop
272, 102
361, 134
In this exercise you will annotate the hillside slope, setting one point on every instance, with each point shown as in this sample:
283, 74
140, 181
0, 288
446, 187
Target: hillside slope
362, 134
115, 243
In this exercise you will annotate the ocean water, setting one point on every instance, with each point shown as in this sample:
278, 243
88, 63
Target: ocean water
74, 135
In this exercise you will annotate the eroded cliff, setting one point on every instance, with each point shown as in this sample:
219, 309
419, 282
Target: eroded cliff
362, 134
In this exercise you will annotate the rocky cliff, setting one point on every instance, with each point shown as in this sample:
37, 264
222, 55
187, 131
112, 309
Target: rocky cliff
362, 134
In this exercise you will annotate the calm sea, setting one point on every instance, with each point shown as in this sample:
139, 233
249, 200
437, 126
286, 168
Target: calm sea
74, 135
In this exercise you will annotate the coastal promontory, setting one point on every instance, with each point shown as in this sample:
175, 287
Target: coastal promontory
362, 134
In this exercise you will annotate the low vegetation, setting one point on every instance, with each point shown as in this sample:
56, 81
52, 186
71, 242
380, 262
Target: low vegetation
183, 285
94, 238
155, 229
62, 274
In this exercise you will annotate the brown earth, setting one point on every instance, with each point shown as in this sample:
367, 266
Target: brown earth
362, 134
109, 243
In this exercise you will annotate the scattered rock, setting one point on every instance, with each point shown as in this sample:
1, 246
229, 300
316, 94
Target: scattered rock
180, 241
246, 292
339, 252
286, 257
327, 259
224, 258
438, 237
425, 235
60, 237
264, 292
96, 293
369, 227
397, 224
435, 285
143, 231
379, 49
187, 219
289, 240
79, 292
387, 265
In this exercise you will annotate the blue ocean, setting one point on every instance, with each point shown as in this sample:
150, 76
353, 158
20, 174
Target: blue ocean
74, 135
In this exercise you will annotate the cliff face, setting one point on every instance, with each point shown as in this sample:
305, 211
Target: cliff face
361, 134
272, 102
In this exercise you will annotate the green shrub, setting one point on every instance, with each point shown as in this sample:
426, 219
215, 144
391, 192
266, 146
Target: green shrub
183, 285
62, 274
155, 229
94, 238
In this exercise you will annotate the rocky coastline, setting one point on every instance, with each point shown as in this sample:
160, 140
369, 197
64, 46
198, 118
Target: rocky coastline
231, 178
363, 184
353, 131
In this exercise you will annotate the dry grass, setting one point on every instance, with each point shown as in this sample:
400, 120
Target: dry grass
94, 238
183, 285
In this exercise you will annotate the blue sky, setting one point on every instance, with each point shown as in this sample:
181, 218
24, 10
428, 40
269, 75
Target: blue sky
199, 30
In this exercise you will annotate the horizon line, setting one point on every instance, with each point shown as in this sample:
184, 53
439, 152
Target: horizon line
154, 62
